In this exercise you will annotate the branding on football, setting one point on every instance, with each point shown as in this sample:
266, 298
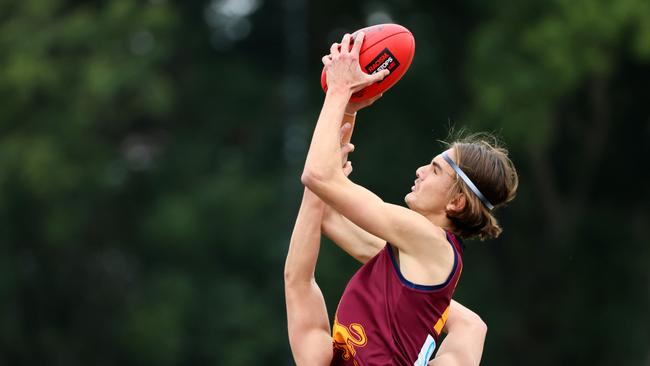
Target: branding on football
384, 61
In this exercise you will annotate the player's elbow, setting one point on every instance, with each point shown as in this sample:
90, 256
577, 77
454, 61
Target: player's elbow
294, 273
289, 275
289, 271
474, 321
296, 278
309, 177
314, 179
481, 327
469, 320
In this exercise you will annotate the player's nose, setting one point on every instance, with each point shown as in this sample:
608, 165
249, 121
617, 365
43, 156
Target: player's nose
419, 172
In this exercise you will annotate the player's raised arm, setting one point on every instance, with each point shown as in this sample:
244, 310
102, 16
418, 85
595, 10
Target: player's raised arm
307, 320
355, 241
410, 231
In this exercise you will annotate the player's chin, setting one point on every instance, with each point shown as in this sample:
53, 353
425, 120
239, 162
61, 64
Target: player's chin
409, 198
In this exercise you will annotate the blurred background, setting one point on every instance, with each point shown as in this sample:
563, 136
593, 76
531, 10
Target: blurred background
150, 155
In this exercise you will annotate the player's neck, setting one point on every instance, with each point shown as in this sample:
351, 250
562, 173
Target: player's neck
440, 220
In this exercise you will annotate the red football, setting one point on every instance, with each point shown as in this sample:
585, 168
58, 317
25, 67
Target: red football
385, 46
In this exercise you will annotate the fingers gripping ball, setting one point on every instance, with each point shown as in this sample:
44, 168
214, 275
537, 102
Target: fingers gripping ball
385, 46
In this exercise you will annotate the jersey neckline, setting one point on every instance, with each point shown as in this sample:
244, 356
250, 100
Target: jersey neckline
416, 286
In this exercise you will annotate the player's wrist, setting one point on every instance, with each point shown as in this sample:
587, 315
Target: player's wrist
340, 90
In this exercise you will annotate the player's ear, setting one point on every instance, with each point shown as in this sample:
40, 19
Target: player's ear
457, 203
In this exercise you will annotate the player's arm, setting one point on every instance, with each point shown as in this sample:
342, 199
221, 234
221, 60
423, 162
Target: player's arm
355, 241
411, 232
308, 324
463, 345
307, 320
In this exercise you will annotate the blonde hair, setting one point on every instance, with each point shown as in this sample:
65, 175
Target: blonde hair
488, 166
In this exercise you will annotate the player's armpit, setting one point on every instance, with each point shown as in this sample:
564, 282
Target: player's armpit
355, 241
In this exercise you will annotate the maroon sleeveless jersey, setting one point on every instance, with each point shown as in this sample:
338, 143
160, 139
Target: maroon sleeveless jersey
383, 319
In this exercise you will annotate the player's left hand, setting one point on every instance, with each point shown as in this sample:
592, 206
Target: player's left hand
342, 67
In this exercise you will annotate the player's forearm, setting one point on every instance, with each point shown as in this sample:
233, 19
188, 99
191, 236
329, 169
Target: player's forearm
305, 240
358, 243
323, 160
331, 226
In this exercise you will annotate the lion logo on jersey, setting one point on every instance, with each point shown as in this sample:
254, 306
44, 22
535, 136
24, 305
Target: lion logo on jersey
347, 338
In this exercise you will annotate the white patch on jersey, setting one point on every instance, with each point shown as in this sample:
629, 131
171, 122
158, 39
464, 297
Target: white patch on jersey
426, 351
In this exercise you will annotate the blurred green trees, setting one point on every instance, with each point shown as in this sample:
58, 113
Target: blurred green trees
150, 154
562, 82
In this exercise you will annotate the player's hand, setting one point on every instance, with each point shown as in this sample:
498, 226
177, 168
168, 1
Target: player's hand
342, 67
354, 107
346, 149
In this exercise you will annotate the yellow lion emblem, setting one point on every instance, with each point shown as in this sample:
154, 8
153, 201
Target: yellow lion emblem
347, 338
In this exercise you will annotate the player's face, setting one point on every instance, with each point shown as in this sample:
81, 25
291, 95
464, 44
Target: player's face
429, 194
